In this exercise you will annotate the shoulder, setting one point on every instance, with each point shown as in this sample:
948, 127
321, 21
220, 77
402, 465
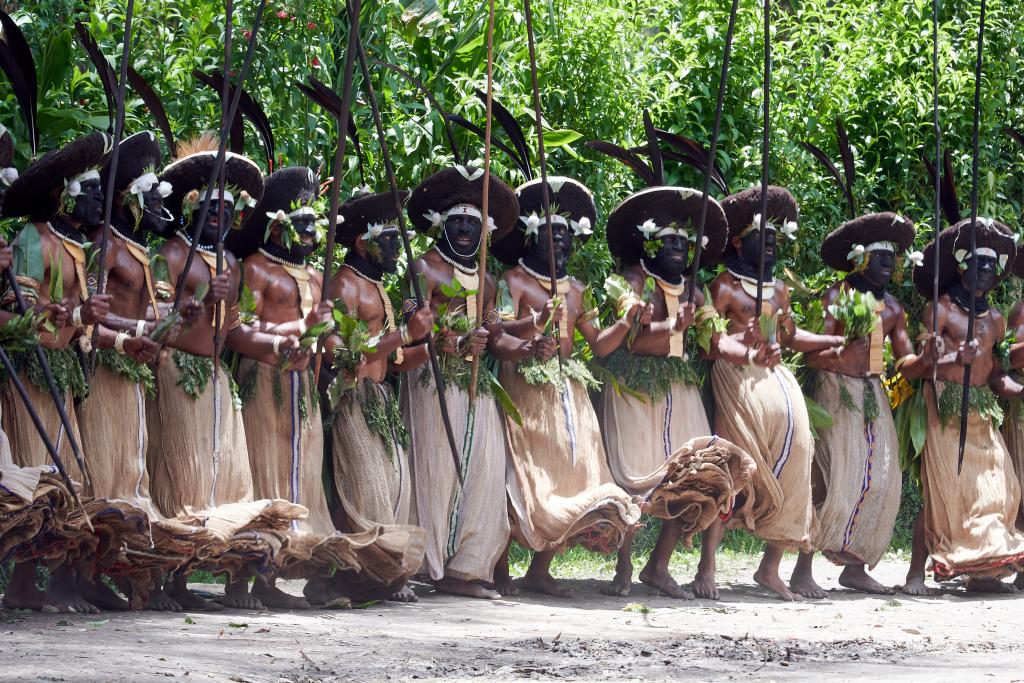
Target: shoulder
721, 287
831, 292
635, 276
174, 248
256, 269
892, 304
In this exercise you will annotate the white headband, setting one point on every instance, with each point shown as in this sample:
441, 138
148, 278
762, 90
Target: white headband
302, 211
377, 229
580, 228
652, 230
788, 228
962, 255
437, 219
881, 246
91, 174
145, 183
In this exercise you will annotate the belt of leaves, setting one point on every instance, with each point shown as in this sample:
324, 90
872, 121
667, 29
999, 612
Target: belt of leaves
195, 372
869, 407
132, 370
536, 372
457, 371
981, 400
384, 418
651, 375
67, 371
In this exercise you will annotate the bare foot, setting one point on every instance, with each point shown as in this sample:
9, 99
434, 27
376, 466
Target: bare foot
664, 584
318, 591
620, 585
855, 578
988, 586
915, 586
704, 586
404, 594
775, 584
273, 597
99, 594
506, 586
455, 586
191, 602
63, 593
1019, 581
159, 601
539, 582
804, 585
237, 596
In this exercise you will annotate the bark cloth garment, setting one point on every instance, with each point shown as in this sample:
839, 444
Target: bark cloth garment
199, 470
371, 478
763, 412
858, 460
467, 527
116, 523
561, 490
112, 421
1013, 435
286, 450
969, 519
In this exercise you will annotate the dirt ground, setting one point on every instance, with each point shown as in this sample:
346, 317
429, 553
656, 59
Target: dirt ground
746, 635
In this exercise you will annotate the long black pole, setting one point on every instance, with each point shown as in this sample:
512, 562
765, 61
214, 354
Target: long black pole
115, 152
412, 271
965, 400
218, 337
221, 154
937, 261
709, 167
765, 152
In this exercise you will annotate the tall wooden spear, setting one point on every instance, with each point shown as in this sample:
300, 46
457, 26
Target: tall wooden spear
937, 260
339, 158
108, 195
765, 151
484, 202
709, 167
965, 399
412, 270
218, 337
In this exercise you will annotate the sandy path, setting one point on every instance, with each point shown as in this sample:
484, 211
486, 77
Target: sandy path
745, 635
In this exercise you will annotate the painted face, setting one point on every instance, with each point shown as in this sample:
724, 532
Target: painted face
155, 216
89, 204
218, 218
561, 236
304, 226
981, 272
462, 236
672, 258
881, 264
385, 250
750, 249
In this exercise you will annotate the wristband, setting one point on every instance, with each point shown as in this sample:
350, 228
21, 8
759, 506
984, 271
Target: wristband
76, 317
119, 341
277, 343
406, 337
750, 355
140, 327
302, 327
536, 321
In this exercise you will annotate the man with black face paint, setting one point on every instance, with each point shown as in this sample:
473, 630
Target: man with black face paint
968, 525
372, 481
652, 236
60, 194
561, 490
282, 420
467, 526
198, 456
856, 513
759, 404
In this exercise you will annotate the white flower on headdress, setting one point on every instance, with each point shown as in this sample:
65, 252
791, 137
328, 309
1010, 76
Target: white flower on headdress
856, 254
986, 222
247, 201
491, 227
1003, 258
164, 189
8, 176
648, 228
704, 242
143, 184
277, 216
789, 229
464, 172
72, 188
581, 227
373, 231
435, 218
532, 223
960, 255
916, 258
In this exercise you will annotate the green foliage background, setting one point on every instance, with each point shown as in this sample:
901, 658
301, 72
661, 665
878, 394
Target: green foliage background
601, 62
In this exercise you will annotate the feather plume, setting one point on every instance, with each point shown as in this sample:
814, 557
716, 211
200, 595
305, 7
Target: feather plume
949, 203
479, 132
236, 133
1015, 134
633, 161
834, 172
418, 85
155, 106
16, 61
513, 130
204, 142
949, 183
695, 151
846, 154
106, 72
653, 150
247, 107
